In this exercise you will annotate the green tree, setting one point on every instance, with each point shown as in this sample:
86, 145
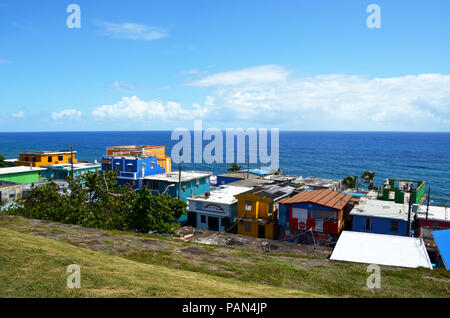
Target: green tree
235, 167
368, 177
155, 212
3, 163
350, 182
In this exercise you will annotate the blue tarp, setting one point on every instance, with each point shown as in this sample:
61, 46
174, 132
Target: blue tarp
442, 239
356, 194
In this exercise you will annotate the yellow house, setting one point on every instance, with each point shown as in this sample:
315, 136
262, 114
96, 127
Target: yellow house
143, 150
42, 158
257, 213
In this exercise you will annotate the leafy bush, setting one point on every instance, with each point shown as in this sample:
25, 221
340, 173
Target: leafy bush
95, 200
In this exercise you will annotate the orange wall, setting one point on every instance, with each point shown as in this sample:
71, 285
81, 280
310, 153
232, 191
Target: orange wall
42, 160
271, 230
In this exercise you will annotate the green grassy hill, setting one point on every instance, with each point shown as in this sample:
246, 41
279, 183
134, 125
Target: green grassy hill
34, 255
36, 267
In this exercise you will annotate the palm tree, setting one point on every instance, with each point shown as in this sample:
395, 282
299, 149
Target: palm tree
234, 167
368, 177
350, 182
3, 163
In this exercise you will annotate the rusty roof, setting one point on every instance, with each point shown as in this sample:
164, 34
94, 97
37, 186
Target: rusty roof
329, 198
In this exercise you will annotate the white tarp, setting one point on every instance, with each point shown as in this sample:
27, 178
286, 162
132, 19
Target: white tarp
391, 250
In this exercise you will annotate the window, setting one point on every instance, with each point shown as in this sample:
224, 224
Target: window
49, 158
60, 157
203, 218
26, 158
153, 185
199, 205
394, 226
248, 227
248, 205
367, 225
223, 222
197, 184
322, 214
184, 188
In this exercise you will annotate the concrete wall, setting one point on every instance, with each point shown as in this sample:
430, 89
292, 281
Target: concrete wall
378, 225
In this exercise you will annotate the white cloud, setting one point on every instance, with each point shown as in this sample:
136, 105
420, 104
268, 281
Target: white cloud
19, 114
406, 100
4, 61
131, 31
253, 75
67, 114
138, 109
123, 86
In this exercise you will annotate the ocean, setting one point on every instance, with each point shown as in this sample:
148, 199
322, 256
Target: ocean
411, 155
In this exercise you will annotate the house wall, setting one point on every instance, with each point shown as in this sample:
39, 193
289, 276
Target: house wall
432, 223
25, 160
224, 213
22, 177
61, 174
11, 193
271, 229
378, 225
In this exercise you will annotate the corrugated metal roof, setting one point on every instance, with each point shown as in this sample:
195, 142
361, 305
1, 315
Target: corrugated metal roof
329, 198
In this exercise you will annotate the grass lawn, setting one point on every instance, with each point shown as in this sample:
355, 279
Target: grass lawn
32, 266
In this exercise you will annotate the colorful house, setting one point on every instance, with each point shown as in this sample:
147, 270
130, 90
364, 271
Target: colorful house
10, 191
433, 217
142, 151
399, 190
132, 170
21, 174
314, 217
40, 158
442, 239
316, 183
258, 210
192, 184
63, 170
215, 210
381, 217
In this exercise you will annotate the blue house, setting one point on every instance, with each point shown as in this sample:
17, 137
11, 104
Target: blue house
215, 210
192, 184
62, 170
313, 217
381, 217
132, 170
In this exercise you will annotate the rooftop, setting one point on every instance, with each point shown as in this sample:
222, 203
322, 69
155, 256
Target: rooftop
381, 209
76, 166
223, 194
45, 152
7, 184
325, 197
273, 191
251, 182
390, 250
19, 169
319, 182
173, 176
438, 213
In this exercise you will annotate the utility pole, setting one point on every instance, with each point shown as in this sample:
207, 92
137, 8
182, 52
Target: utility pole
428, 204
179, 175
71, 161
409, 211
248, 161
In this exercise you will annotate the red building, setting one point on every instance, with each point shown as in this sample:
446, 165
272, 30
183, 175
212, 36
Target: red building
438, 217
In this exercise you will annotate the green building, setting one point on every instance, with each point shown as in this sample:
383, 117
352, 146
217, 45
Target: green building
398, 190
21, 174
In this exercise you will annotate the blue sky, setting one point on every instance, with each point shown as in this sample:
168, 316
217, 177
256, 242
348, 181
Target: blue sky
303, 65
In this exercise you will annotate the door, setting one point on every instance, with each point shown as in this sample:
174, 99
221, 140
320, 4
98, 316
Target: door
213, 223
192, 219
302, 216
261, 231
